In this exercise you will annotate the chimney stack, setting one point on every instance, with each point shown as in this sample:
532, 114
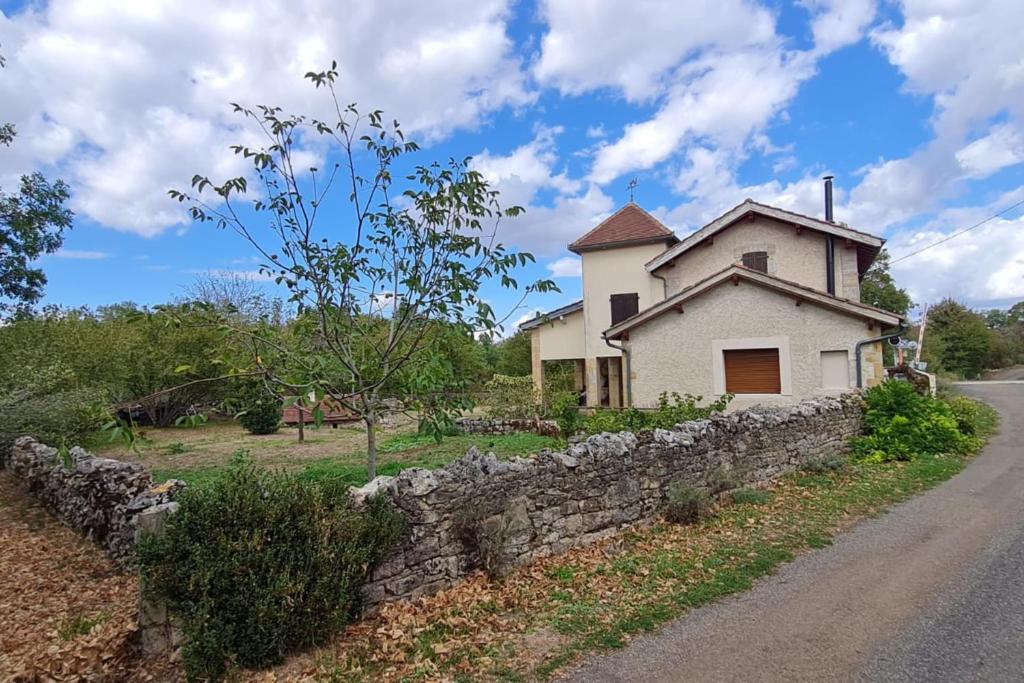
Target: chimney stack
828, 198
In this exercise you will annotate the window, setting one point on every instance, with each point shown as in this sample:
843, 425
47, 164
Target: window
624, 306
752, 371
835, 370
756, 260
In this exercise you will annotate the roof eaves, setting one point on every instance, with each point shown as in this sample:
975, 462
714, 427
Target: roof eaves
547, 317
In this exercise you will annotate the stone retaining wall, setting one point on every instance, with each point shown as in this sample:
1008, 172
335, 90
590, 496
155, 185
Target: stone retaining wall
476, 425
478, 510
98, 497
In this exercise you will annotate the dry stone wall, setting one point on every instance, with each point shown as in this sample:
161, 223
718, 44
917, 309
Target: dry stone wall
478, 510
474, 425
99, 497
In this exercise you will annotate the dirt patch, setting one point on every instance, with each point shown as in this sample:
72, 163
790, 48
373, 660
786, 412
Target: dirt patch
66, 613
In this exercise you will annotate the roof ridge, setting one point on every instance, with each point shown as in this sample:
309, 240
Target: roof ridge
662, 229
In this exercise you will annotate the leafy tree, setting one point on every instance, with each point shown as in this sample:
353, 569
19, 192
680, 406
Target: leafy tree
878, 288
957, 339
32, 223
414, 257
514, 355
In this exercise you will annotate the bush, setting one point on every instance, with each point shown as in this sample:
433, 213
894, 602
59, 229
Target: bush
967, 413
687, 504
65, 418
902, 424
672, 409
262, 414
256, 564
510, 397
825, 464
564, 408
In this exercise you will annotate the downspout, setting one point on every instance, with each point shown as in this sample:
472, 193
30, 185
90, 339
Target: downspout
664, 285
628, 384
830, 247
863, 342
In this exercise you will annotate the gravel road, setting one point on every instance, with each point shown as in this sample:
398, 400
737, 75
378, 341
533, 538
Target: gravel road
931, 591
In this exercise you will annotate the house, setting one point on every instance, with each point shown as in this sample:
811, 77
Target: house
760, 302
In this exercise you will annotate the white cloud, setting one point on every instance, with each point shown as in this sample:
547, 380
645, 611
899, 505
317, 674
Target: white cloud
522, 175
838, 23
130, 99
984, 266
567, 266
1002, 147
81, 254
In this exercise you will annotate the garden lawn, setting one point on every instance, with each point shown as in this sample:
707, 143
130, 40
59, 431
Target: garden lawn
197, 455
547, 614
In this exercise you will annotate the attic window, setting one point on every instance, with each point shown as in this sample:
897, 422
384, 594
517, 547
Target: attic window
624, 306
756, 260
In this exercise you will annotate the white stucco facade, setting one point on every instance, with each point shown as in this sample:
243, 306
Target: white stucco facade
562, 337
683, 352
615, 271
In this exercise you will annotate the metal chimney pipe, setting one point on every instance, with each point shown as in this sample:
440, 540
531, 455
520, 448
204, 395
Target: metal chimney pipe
828, 198
830, 248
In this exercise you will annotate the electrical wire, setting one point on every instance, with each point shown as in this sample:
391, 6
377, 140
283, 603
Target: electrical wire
959, 232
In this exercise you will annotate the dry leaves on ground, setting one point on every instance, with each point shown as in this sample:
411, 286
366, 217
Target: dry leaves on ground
66, 613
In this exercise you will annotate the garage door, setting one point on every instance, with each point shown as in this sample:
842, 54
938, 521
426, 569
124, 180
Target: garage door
752, 371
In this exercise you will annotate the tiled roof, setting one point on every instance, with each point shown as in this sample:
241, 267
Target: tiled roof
630, 224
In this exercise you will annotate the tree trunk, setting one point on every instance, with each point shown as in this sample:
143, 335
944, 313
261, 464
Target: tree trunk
371, 446
302, 423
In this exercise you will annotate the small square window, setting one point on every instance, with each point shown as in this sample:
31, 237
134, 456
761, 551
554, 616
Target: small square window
756, 260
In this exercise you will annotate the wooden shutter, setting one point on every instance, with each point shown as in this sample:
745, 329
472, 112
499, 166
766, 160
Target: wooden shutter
752, 371
624, 306
756, 260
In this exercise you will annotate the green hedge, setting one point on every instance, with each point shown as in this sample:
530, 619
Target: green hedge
257, 564
672, 409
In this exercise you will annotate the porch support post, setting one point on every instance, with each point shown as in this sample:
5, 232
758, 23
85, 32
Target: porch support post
614, 382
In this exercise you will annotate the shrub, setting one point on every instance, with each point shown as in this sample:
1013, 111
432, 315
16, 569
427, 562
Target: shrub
257, 563
510, 397
262, 414
564, 408
902, 424
824, 464
967, 414
687, 504
672, 409
64, 418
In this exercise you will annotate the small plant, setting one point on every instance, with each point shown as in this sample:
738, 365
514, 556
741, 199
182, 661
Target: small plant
564, 407
672, 409
750, 497
79, 625
825, 464
177, 448
902, 424
240, 458
262, 414
687, 504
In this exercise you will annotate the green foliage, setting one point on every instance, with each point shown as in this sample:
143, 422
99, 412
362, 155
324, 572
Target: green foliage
902, 424
79, 625
261, 413
32, 223
509, 397
825, 464
672, 409
687, 504
878, 288
564, 408
957, 340
60, 419
256, 564
514, 355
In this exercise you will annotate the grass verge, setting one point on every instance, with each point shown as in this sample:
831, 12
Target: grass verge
547, 614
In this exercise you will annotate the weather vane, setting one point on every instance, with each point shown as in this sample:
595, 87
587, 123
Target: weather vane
632, 186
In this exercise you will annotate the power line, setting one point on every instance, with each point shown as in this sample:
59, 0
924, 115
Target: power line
960, 232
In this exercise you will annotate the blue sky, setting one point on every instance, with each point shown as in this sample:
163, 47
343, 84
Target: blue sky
916, 107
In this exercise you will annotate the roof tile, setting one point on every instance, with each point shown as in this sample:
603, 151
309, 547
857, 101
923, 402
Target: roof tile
628, 224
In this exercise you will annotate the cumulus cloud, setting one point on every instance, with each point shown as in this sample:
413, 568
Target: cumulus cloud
567, 266
129, 99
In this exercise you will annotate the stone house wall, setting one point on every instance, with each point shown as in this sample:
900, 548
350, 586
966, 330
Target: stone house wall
529, 508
